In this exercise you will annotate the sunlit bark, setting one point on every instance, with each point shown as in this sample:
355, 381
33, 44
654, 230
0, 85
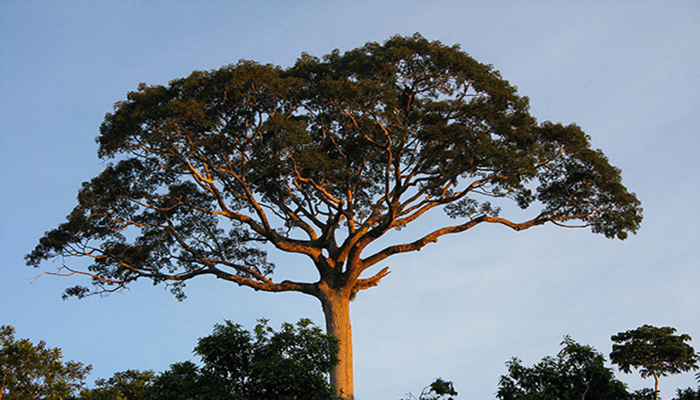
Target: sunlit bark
336, 308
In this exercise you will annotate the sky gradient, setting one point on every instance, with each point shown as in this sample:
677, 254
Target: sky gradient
627, 72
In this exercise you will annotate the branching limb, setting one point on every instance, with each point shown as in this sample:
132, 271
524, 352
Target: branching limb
284, 286
362, 284
435, 235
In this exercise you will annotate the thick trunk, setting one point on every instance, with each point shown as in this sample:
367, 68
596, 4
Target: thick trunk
336, 307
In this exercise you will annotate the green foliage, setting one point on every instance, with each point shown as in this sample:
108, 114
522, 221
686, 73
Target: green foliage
126, 385
687, 394
642, 394
186, 381
29, 371
577, 372
323, 158
292, 363
654, 351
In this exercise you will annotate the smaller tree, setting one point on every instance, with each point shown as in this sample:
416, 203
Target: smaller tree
29, 371
438, 390
654, 351
293, 363
577, 372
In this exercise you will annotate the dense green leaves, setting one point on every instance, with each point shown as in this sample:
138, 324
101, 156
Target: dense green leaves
654, 351
33, 371
126, 385
292, 363
577, 372
687, 394
323, 158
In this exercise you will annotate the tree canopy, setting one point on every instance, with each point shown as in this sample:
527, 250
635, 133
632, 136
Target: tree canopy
360, 143
34, 371
654, 351
290, 364
322, 159
125, 385
577, 372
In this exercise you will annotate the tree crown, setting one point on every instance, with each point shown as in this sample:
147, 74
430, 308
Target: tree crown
576, 372
322, 159
654, 351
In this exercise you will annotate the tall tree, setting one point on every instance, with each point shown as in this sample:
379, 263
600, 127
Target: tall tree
654, 351
323, 159
34, 371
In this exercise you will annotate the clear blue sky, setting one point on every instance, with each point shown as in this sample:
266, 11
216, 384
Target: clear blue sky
628, 72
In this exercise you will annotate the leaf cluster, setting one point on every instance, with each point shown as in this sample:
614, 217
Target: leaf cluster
34, 371
576, 372
655, 351
125, 385
687, 394
440, 389
292, 363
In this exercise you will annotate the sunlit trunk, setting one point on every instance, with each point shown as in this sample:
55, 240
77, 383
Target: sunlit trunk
656, 385
336, 307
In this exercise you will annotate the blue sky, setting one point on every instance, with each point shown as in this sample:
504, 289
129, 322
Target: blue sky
626, 71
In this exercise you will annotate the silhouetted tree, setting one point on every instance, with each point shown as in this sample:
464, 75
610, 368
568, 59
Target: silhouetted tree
440, 389
186, 381
687, 394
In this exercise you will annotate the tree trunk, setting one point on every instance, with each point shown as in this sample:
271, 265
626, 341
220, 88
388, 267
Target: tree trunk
336, 307
656, 385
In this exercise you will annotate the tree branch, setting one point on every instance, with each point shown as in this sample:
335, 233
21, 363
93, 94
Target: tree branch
435, 235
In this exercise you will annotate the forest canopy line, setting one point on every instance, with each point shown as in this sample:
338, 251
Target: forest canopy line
322, 159
293, 363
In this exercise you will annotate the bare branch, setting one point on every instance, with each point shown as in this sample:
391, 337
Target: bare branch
435, 235
362, 284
